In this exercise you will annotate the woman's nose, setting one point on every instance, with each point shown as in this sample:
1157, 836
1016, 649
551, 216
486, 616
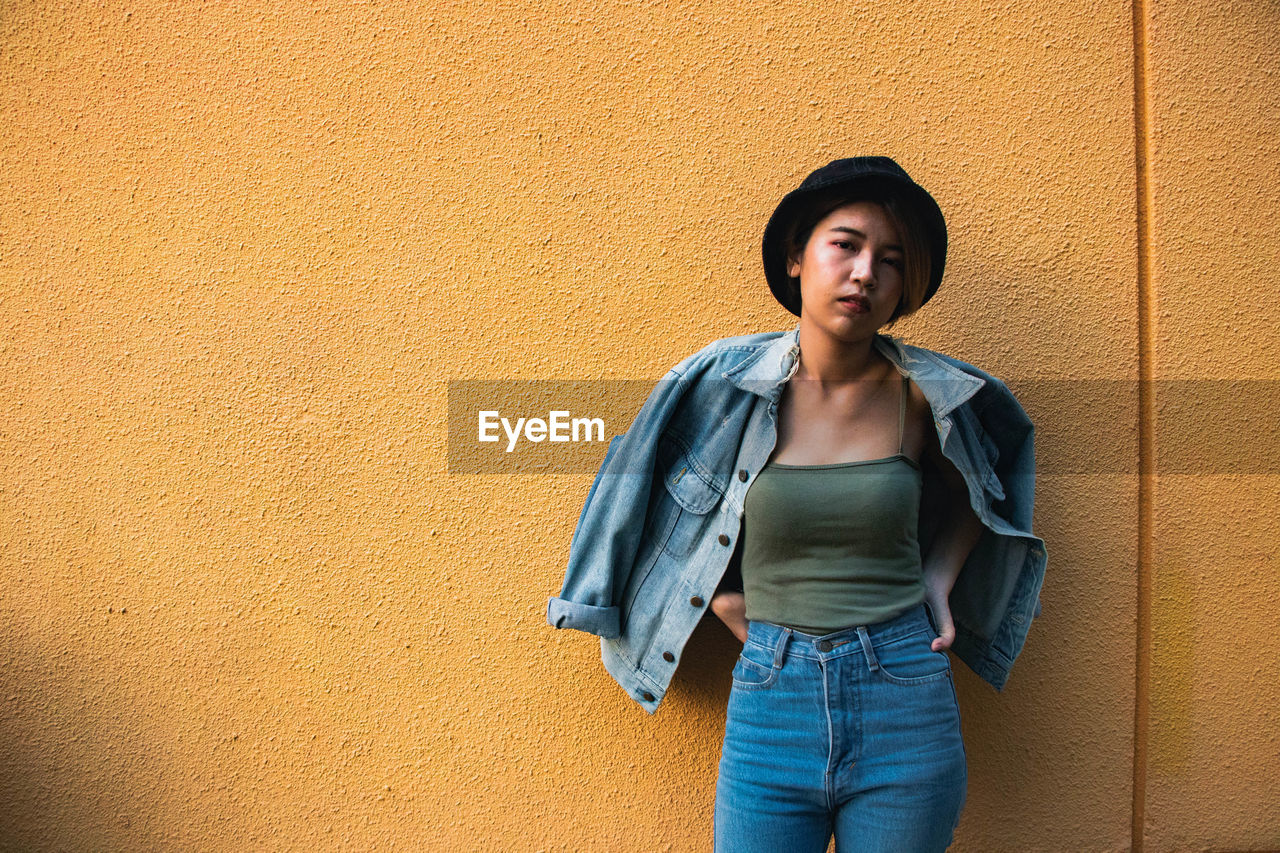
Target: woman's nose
863, 269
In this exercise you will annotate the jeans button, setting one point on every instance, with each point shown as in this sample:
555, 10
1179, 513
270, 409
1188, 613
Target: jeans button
742, 474
647, 696
824, 645
668, 657
696, 601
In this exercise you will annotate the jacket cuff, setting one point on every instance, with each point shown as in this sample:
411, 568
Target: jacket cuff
602, 621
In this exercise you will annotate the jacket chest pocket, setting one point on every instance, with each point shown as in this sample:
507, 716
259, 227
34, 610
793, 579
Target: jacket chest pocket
678, 509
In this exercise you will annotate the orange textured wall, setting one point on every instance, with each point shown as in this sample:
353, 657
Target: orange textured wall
1211, 673
243, 248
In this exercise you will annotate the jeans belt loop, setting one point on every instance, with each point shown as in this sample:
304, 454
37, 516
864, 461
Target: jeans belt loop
866, 648
781, 651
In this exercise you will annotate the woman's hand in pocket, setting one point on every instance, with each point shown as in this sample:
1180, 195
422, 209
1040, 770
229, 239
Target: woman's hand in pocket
935, 595
731, 607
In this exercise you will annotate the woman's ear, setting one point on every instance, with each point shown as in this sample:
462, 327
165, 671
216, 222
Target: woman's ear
793, 264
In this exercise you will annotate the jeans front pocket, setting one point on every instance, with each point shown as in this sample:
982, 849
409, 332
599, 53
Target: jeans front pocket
911, 660
754, 669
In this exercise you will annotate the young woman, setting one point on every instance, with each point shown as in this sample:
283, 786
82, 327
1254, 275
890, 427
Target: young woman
855, 478
831, 564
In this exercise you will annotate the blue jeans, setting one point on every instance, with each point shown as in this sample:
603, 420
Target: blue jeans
855, 733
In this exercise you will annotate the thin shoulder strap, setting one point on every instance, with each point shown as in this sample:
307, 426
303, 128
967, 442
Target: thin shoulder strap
902, 410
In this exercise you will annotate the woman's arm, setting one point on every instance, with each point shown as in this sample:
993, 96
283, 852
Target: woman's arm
729, 603
957, 533
731, 607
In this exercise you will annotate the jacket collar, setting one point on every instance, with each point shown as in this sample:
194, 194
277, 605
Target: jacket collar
945, 386
768, 368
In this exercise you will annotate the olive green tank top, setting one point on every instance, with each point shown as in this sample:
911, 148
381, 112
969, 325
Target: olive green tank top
827, 547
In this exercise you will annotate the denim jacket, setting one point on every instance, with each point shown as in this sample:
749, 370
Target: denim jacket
662, 518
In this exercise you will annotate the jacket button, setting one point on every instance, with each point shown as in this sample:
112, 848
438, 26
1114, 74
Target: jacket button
722, 539
647, 696
696, 601
668, 657
742, 475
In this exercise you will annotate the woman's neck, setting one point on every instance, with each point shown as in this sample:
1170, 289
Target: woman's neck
829, 360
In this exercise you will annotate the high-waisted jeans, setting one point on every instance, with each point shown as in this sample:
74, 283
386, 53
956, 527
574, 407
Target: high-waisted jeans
855, 733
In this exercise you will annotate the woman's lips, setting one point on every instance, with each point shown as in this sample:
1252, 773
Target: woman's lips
855, 304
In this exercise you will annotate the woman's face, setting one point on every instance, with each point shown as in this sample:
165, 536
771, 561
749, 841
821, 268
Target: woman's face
850, 272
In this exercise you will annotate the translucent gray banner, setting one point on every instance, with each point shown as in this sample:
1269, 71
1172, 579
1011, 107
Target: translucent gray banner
1090, 426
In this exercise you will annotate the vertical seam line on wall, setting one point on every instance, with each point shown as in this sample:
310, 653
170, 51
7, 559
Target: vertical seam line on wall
1146, 423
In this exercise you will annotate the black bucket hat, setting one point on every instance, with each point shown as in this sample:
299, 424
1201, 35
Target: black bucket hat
852, 175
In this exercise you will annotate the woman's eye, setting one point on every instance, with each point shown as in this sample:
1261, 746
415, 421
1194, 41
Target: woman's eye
896, 263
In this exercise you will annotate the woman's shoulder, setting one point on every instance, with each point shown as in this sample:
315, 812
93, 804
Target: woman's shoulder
947, 382
916, 359
727, 352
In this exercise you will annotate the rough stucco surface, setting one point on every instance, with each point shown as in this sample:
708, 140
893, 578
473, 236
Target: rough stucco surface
242, 602
1215, 654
